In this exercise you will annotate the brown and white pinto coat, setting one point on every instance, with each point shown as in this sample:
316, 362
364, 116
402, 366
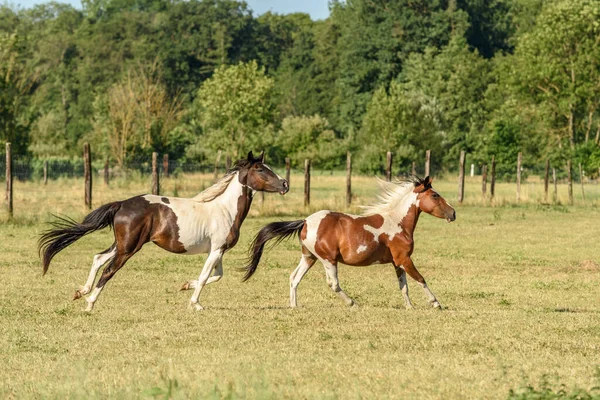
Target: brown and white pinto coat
384, 234
208, 223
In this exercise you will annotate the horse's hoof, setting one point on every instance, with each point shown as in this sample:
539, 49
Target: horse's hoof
437, 305
77, 295
186, 286
351, 303
195, 307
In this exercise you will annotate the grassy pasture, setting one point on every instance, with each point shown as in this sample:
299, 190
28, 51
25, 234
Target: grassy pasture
520, 285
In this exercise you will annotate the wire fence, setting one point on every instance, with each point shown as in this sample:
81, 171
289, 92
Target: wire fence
32, 169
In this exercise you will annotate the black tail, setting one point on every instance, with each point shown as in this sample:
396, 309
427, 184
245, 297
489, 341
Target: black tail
66, 231
280, 230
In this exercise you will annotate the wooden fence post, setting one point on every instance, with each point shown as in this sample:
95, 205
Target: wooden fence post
155, 182
45, 172
348, 179
287, 170
570, 181
262, 194
218, 159
228, 162
9, 181
427, 162
388, 167
106, 174
555, 197
581, 180
546, 172
166, 165
461, 177
483, 180
306, 182
493, 178
414, 169
519, 160
87, 173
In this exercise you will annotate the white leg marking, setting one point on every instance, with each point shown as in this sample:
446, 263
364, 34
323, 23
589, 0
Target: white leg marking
296, 277
334, 283
99, 261
430, 296
92, 298
213, 259
217, 275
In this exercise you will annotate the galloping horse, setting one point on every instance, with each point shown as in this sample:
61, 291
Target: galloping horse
208, 223
383, 234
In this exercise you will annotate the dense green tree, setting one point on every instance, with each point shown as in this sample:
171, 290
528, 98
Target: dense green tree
310, 137
557, 65
402, 121
376, 38
486, 76
234, 109
458, 79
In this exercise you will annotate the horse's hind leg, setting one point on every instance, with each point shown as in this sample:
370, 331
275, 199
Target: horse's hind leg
99, 260
332, 280
411, 270
307, 261
109, 271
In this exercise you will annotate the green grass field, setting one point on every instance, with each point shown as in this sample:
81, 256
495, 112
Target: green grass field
519, 283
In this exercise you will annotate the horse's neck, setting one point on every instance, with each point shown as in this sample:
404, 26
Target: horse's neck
236, 199
406, 213
409, 222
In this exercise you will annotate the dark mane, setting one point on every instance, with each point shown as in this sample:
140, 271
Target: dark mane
240, 164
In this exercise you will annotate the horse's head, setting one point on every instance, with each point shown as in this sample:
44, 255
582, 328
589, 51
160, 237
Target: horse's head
259, 177
431, 202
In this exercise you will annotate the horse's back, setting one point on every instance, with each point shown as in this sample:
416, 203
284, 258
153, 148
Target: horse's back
350, 239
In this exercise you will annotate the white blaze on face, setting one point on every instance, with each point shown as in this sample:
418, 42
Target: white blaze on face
312, 227
269, 168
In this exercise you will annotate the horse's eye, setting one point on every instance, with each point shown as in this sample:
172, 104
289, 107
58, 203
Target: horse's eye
436, 196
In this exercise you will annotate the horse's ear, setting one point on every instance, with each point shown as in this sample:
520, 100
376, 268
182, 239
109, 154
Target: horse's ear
262, 156
427, 181
250, 156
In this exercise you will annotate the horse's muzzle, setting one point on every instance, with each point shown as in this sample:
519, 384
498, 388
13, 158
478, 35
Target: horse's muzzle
451, 217
285, 186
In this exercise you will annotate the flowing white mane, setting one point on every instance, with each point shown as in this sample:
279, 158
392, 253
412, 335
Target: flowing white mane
391, 196
217, 189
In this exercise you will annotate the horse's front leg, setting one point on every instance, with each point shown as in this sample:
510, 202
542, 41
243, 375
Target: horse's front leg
401, 274
214, 278
213, 260
407, 265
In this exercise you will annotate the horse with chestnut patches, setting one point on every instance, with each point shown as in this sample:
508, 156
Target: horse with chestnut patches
383, 234
208, 223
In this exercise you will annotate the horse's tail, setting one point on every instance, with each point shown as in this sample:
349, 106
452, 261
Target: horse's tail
275, 230
66, 231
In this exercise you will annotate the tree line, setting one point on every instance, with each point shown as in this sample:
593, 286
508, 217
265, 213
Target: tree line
189, 78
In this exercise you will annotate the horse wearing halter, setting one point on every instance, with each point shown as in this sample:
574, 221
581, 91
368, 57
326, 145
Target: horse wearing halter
207, 223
